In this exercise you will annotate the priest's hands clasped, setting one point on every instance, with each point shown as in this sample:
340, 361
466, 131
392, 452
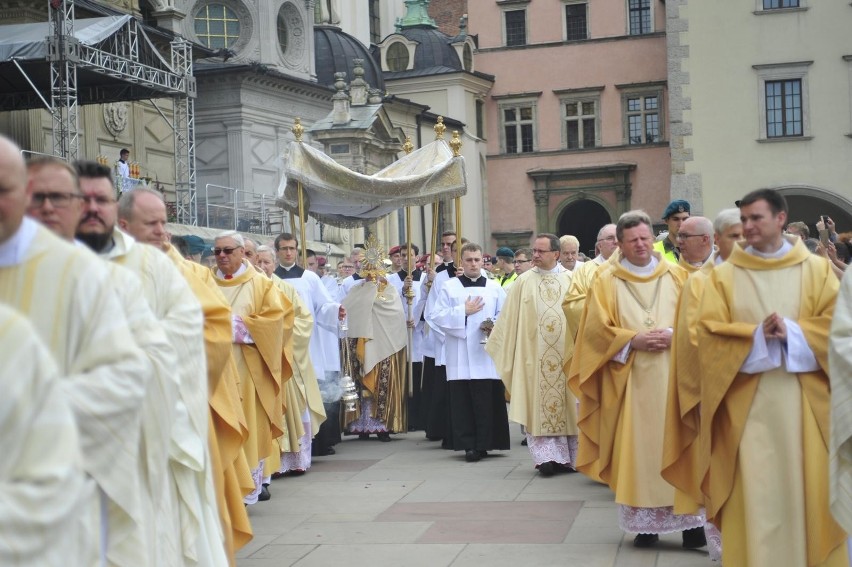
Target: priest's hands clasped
655, 340
775, 328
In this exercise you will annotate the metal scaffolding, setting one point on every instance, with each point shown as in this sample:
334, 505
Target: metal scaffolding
129, 61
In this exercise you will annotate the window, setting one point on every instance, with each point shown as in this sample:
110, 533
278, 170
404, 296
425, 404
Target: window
783, 108
467, 57
283, 34
397, 56
783, 101
375, 22
480, 121
581, 123
642, 112
639, 17
217, 26
518, 128
516, 27
778, 4
575, 21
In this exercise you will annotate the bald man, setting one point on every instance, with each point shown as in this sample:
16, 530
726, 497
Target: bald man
695, 241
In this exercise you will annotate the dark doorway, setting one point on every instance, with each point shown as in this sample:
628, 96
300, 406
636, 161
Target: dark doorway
583, 219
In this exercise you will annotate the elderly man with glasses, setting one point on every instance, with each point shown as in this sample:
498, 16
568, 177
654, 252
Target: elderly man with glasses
527, 346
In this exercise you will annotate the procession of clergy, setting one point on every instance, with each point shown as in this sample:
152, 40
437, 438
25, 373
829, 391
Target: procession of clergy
705, 378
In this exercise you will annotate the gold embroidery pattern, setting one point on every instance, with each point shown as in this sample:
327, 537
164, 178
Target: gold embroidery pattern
551, 335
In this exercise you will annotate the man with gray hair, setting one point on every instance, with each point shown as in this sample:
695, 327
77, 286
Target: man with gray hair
728, 230
695, 242
621, 367
569, 252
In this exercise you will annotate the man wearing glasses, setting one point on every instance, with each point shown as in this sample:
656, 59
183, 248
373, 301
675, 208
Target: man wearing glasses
695, 241
179, 312
523, 260
527, 346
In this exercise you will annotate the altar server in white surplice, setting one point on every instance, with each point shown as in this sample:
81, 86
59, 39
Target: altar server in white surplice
43, 486
67, 295
465, 311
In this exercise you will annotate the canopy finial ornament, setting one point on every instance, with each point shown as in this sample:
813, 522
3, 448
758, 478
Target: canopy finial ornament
298, 129
440, 128
456, 143
408, 147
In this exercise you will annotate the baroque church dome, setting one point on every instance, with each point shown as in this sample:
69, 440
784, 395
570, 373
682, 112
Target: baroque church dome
434, 49
334, 51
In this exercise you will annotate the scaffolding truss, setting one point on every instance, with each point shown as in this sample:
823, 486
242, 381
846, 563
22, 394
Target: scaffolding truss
125, 65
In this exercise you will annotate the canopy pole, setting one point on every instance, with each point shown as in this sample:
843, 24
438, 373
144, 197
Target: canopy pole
434, 243
455, 145
408, 147
298, 130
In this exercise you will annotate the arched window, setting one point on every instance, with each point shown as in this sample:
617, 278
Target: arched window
467, 57
283, 33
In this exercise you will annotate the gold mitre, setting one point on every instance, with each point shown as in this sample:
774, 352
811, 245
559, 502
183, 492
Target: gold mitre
373, 265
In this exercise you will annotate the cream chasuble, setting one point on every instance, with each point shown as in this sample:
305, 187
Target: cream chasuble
257, 301
43, 488
179, 312
227, 426
622, 406
764, 437
66, 292
303, 369
528, 347
840, 363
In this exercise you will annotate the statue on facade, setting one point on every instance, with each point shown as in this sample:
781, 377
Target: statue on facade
327, 13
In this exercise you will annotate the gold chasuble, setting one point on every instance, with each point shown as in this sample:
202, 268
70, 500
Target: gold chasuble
180, 315
227, 425
622, 406
680, 438
528, 346
43, 487
66, 293
253, 297
377, 322
840, 361
764, 437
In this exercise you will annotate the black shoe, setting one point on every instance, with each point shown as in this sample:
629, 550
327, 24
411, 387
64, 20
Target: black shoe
264, 493
565, 468
433, 438
694, 538
482, 454
384, 437
363, 436
546, 469
471, 456
329, 451
524, 442
645, 540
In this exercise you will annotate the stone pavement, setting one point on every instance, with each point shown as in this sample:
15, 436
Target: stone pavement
410, 503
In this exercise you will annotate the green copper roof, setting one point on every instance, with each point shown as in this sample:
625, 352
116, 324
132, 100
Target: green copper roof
416, 14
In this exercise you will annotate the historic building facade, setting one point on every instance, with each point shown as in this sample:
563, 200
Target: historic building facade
770, 106
576, 122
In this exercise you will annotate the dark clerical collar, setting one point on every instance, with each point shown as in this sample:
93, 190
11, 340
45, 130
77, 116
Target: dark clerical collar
467, 282
286, 274
356, 276
451, 267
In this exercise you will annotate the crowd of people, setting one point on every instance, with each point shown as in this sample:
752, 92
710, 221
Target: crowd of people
702, 374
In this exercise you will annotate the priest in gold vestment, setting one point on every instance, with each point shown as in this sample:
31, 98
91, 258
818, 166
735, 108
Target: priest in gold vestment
764, 432
53, 185
257, 323
227, 423
67, 295
43, 487
529, 348
179, 313
621, 368
840, 371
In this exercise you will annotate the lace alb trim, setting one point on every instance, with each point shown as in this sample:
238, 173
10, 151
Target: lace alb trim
714, 541
656, 520
559, 449
257, 476
301, 459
